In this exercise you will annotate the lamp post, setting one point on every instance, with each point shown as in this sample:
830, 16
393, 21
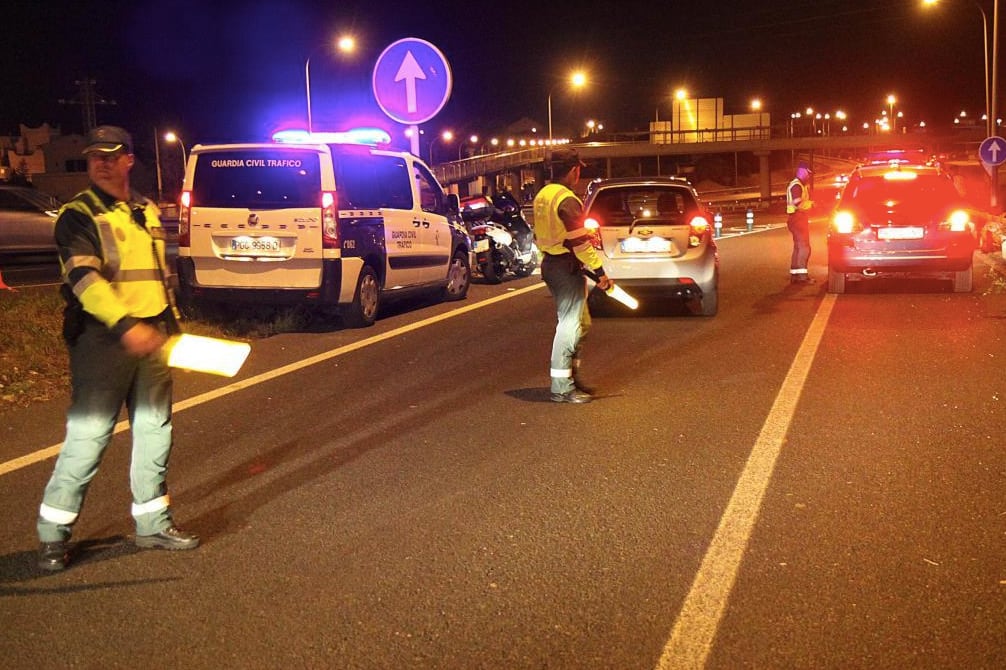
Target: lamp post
446, 136
890, 105
157, 164
577, 80
756, 106
172, 137
345, 44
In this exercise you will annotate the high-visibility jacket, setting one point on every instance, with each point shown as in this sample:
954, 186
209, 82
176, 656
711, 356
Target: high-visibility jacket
798, 197
552, 234
127, 266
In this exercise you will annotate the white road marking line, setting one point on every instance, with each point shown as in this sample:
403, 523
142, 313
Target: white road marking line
49, 452
695, 628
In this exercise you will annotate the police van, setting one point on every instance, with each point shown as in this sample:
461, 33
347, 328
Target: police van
321, 220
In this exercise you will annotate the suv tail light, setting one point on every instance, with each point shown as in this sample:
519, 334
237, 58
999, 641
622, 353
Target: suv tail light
845, 223
959, 221
329, 221
184, 204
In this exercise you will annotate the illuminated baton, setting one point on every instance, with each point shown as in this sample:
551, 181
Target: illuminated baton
205, 354
616, 292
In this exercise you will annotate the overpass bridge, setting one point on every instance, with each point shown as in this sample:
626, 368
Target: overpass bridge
484, 169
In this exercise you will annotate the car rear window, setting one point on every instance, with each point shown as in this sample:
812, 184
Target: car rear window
257, 179
622, 205
372, 181
935, 190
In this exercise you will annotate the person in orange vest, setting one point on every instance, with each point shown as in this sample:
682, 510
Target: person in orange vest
119, 313
567, 252
798, 206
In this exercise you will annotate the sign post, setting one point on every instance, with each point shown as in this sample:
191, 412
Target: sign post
992, 151
412, 83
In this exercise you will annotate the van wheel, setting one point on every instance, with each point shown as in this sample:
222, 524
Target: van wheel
366, 301
459, 277
709, 305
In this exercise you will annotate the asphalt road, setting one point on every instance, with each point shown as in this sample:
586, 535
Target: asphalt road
803, 481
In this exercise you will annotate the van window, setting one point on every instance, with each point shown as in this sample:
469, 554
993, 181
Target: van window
372, 181
431, 198
257, 179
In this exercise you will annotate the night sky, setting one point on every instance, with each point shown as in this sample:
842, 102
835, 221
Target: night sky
220, 70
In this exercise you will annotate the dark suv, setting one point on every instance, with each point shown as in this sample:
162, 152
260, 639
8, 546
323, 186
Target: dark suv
900, 218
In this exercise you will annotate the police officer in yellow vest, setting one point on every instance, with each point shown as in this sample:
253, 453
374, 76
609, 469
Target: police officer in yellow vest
798, 206
566, 249
118, 315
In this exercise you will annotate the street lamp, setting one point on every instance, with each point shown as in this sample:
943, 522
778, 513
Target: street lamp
890, 105
446, 136
756, 106
173, 137
345, 44
990, 130
577, 80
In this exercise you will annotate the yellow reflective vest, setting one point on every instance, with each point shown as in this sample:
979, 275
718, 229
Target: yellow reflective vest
798, 197
550, 232
129, 275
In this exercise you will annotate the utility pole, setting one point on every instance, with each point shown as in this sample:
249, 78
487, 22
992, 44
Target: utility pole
88, 99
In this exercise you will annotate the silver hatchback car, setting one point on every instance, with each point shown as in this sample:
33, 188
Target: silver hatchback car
27, 220
655, 239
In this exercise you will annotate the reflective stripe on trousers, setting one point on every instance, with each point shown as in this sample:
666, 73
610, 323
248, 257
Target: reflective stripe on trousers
569, 288
103, 376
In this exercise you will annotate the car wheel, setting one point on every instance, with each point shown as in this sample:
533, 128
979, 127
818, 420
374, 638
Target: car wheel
963, 280
366, 301
459, 277
836, 281
710, 302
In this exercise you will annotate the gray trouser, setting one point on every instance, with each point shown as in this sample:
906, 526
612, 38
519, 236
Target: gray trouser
563, 276
799, 227
103, 376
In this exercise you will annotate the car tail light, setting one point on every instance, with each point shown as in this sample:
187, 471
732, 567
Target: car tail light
184, 204
959, 221
846, 223
329, 227
593, 228
698, 227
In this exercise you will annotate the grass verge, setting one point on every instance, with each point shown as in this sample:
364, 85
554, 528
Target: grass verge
34, 365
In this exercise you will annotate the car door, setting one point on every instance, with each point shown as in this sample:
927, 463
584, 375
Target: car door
434, 226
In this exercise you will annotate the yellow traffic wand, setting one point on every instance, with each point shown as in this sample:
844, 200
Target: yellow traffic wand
616, 292
206, 354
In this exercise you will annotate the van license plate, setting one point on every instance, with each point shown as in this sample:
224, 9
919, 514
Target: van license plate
253, 244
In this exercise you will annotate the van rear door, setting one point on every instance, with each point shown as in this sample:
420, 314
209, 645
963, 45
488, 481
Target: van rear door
256, 216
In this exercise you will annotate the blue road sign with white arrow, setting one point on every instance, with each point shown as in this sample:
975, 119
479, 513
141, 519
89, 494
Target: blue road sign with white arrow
992, 150
412, 81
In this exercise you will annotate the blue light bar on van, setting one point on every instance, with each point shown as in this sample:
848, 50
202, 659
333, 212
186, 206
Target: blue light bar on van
369, 136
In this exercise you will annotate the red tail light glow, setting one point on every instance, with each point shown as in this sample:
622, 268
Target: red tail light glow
593, 228
699, 226
184, 204
329, 221
959, 221
844, 222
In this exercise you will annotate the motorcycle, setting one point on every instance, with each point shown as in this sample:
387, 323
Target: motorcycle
501, 239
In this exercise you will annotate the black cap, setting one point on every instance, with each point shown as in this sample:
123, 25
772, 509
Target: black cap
804, 165
107, 139
565, 159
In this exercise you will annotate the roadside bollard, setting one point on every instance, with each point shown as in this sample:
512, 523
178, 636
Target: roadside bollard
749, 219
717, 224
